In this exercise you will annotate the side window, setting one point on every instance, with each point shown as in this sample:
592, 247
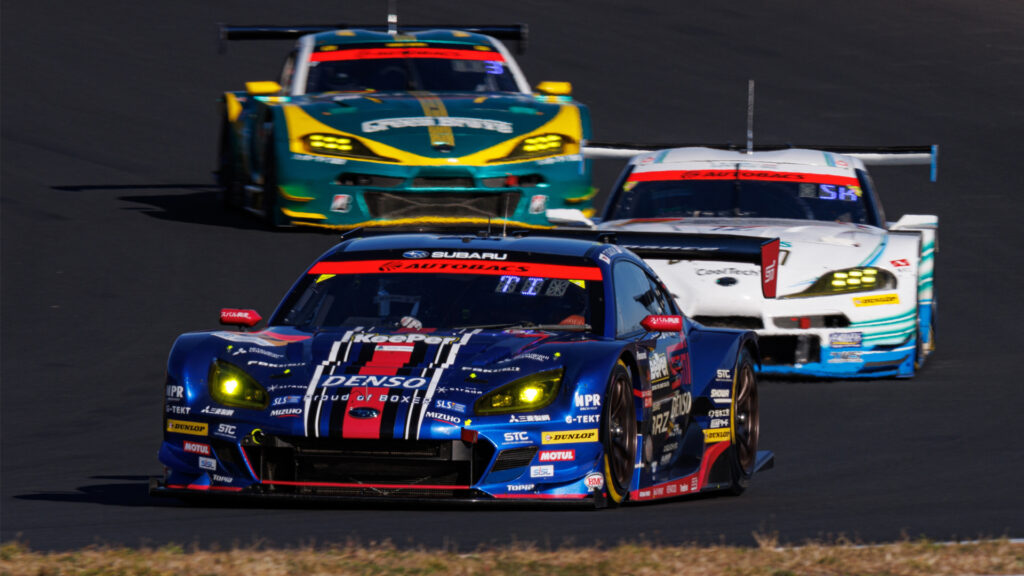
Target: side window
636, 296
287, 71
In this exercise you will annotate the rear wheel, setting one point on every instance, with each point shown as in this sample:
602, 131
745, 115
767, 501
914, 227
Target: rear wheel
269, 196
618, 434
227, 175
746, 422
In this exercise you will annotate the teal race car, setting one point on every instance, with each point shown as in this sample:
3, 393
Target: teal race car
368, 127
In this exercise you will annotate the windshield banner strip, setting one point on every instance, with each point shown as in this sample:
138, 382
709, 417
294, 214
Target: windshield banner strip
439, 266
378, 53
764, 175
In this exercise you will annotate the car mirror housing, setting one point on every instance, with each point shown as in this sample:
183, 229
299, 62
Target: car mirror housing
239, 317
262, 88
662, 323
550, 88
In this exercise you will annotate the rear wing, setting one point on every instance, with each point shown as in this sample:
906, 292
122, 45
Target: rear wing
685, 246
647, 245
877, 155
517, 33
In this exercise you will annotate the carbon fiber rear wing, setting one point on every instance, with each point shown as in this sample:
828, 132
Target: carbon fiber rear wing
647, 245
876, 155
517, 33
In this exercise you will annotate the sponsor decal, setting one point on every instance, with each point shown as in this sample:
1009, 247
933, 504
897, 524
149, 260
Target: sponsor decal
529, 418
560, 159
516, 437
659, 366
175, 393
371, 338
520, 487
719, 396
556, 456
594, 481
648, 398
843, 356
282, 400
718, 435
531, 356
207, 463
172, 409
259, 351
879, 300
223, 479
719, 413
449, 405
196, 448
217, 411
664, 421
901, 263
226, 430
366, 395
341, 203
583, 419
415, 254
324, 159
491, 370
470, 255
587, 401
547, 471
845, 339
454, 266
350, 380
719, 423
444, 417
723, 375
283, 412
183, 427
383, 124
569, 436
363, 412
725, 271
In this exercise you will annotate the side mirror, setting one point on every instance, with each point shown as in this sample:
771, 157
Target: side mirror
262, 88
662, 323
549, 88
239, 317
568, 217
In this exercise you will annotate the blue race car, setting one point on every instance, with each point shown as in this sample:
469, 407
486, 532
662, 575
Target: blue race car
547, 367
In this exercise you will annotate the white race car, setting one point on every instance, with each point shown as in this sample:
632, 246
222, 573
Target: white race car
855, 295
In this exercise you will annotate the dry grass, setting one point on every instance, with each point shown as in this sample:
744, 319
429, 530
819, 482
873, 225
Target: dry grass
909, 558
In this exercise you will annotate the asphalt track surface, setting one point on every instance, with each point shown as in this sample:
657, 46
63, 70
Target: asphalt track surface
113, 243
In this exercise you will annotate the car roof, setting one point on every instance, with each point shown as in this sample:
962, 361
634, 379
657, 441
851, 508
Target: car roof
537, 244
790, 159
361, 36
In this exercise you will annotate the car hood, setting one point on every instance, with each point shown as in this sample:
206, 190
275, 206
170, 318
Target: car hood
811, 248
418, 122
382, 384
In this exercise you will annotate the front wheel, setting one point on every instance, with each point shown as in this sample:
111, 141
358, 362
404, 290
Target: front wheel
746, 422
618, 434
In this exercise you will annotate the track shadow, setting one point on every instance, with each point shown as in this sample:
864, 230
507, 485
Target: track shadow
200, 204
132, 491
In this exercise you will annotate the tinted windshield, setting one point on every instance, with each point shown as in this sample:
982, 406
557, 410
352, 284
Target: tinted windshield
407, 69
338, 294
741, 194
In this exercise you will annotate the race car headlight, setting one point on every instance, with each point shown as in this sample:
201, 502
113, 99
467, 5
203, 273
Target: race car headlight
539, 147
230, 386
850, 280
523, 395
338, 145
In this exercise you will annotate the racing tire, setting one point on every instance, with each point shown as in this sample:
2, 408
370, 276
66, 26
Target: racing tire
746, 422
227, 175
920, 353
618, 435
268, 202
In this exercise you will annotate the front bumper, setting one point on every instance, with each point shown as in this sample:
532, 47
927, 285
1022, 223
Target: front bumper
353, 193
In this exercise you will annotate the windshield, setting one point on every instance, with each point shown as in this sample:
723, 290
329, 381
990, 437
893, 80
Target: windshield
408, 69
342, 294
741, 194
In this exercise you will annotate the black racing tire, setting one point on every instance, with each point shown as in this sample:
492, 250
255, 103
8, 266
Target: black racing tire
269, 197
618, 435
227, 174
920, 354
746, 420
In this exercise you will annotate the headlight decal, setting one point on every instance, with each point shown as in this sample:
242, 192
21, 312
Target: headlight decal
849, 280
